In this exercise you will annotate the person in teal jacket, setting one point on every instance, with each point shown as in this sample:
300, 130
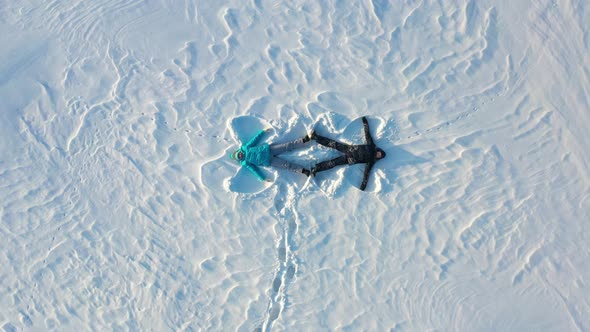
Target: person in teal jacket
251, 155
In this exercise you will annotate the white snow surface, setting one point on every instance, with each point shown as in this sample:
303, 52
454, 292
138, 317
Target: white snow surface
120, 209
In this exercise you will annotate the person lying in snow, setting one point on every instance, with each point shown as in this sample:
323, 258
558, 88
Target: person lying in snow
251, 155
367, 153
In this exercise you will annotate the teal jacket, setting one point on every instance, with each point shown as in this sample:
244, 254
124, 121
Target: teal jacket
256, 155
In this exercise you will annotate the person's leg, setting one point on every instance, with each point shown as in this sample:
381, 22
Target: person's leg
282, 163
310, 136
328, 164
331, 143
276, 149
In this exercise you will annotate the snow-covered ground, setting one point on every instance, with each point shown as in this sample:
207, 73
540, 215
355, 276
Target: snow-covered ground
120, 209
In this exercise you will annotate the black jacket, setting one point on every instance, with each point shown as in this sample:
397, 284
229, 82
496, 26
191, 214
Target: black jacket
353, 154
365, 154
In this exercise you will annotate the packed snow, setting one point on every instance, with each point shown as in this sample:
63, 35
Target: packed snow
120, 209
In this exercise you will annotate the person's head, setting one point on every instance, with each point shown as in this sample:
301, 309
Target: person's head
379, 154
237, 155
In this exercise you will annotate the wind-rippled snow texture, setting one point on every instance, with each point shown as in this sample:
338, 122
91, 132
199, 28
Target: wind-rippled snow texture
116, 124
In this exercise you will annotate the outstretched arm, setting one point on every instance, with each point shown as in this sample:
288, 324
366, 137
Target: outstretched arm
368, 137
255, 139
255, 170
366, 176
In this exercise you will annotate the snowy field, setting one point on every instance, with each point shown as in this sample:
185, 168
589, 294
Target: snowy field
120, 209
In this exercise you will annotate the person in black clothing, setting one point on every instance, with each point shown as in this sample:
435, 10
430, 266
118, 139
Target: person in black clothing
367, 153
